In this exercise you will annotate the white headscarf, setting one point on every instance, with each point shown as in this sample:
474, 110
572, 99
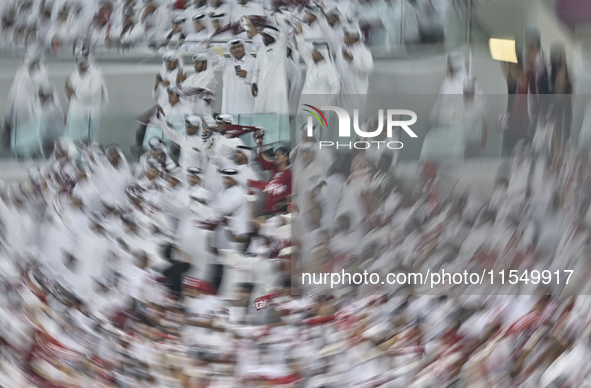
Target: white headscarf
171, 56
22, 100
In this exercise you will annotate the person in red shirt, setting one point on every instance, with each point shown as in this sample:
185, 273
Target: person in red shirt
278, 189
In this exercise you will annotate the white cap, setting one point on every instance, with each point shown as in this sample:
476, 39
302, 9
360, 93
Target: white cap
194, 121
271, 31
201, 57
224, 118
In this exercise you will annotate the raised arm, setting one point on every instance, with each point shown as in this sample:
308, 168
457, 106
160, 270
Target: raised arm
172, 135
303, 47
331, 38
216, 61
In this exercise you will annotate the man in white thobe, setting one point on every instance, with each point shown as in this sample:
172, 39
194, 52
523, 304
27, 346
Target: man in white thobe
199, 33
198, 7
172, 65
230, 203
195, 184
238, 71
321, 75
191, 144
241, 163
204, 78
22, 119
175, 112
192, 238
310, 28
353, 62
87, 93
269, 81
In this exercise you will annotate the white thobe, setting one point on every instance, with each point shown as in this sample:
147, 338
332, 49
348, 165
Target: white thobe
160, 93
270, 75
193, 239
194, 41
90, 94
188, 16
174, 114
23, 108
192, 152
230, 202
237, 97
114, 180
205, 80
354, 74
321, 77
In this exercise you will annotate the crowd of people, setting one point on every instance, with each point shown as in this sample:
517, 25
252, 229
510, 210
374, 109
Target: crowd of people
184, 24
188, 273
186, 268
338, 66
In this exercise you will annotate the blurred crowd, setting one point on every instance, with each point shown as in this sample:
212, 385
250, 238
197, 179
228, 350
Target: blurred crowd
184, 24
539, 106
187, 272
184, 270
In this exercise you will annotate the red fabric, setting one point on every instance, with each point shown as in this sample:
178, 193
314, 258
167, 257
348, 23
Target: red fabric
179, 4
200, 285
278, 189
232, 130
284, 379
319, 320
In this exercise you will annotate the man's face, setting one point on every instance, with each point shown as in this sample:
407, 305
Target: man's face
268, 39
200, 66
152, 173
243, 293
82, 67
198, 26
170, 65
237, 51
239, 157
350, 39
228, 182
142, 261
172, 181
173, 98
114, 158
310, 17
280, 157
63, 17
242, 2
215, 23
193, 180
191, 130
317, 56
332, 19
